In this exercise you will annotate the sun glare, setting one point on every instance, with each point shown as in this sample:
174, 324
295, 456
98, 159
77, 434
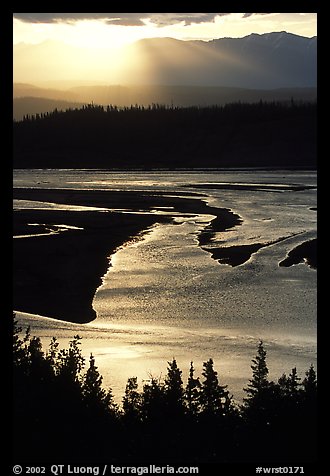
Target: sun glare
95, 34
104, 51
98, 34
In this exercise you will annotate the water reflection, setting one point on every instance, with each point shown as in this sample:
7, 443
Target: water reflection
165, 297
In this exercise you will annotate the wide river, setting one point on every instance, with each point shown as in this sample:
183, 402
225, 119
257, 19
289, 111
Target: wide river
164, 296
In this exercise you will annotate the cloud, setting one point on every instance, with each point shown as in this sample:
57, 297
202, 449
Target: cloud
72, 17
126, 19
162, 19
247, 15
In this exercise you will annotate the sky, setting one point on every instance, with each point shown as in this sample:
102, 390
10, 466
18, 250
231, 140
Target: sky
99, 45
103, 30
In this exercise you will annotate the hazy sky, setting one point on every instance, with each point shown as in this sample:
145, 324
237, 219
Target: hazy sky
115, 29
101, 46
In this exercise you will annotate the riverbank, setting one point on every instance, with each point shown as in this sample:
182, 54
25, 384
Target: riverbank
306, 252
57, 274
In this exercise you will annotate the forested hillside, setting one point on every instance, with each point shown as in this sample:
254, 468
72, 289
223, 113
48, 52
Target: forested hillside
263, 134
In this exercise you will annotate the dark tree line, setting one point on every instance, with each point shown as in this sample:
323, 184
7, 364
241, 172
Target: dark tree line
236, 134
64, 413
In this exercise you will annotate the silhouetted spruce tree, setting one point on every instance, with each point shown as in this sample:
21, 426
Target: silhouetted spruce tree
70, 362
96, 399
257, 402
310, 383
20, 348
263, 408
173, 390
213, 396
68, 367
40, 368
153, 402
132, 401
259, 380
36, 395
290, 386
310, 412
192, 393
298, 414
309, 395
29, 358
290, 403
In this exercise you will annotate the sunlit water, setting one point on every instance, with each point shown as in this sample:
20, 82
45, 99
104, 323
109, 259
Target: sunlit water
165, 297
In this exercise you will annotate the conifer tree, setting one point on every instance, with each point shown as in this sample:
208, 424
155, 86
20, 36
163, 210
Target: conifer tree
309, 407
70, 361
263, 405
40, 368
294, 382
310, 386
28, 356
213, 396
310, 381
20, 347
289, 386
259, 380
174, 389
94, 396
192, 397
153, 401
68, 366
132, 400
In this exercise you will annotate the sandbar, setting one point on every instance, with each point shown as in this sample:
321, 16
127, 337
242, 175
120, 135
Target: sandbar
57, 275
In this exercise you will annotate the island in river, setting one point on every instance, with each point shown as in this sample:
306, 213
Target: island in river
60, 260
61, 255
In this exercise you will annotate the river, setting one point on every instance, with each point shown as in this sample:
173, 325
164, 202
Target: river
164, 297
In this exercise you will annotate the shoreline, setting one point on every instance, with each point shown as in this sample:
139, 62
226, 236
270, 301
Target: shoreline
57, 275
306, 252
238, 255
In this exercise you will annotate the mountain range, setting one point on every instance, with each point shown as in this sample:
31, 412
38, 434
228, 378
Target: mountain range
272, 66
272, 60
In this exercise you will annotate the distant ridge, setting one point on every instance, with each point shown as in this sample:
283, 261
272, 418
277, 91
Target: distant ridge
277, 66
266, 61
29, 99
36, 105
